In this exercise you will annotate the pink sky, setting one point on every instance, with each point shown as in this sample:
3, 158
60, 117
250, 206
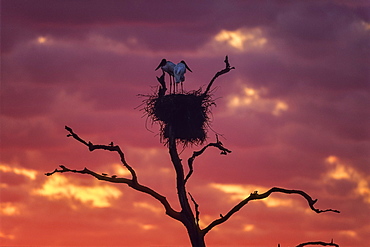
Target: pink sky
295, 113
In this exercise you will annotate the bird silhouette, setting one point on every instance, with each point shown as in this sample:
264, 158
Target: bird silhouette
167, 66
179, 73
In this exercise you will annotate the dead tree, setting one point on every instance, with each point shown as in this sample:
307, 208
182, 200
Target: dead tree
173, 133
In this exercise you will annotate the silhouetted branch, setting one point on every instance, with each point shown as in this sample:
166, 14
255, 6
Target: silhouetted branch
71, 133
133, 183
98, 176
256, 196
162, 88
319, 243
110, 147
217, 144
196, 206
221, 72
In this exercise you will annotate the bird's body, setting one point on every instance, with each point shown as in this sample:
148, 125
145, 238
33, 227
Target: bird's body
168, 67
179, 72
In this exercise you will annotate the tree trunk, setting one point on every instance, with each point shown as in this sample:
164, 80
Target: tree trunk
196, 237
195, 234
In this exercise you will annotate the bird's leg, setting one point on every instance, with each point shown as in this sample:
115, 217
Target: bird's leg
170, 83
173, 85
182, 88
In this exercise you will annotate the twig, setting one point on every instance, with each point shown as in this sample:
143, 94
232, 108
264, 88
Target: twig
217, 144
256, 196
196, 206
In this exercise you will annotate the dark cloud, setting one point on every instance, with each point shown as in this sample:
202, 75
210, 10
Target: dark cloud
36, 101
94, 12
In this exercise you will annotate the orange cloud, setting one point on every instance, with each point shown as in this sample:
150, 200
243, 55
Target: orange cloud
31, 174
252, 98
341, 170
242, 39
59, 186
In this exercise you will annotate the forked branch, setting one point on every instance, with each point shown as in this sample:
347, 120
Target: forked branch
216, 144
133, 183
111, 147
256, 196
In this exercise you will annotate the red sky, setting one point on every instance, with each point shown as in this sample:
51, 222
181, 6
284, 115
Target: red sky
295, 113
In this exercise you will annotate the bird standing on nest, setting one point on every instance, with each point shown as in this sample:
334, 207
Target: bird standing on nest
167, 66
179, 71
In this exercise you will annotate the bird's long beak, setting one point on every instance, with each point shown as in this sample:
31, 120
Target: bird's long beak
187, 67
159, 66
162, 63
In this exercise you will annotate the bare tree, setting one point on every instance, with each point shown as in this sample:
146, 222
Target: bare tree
173, 133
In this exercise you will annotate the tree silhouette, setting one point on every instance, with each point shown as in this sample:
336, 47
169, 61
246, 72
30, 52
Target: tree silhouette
183, 119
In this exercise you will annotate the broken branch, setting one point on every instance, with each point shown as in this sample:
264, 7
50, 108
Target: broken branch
219, 73
196, 206
162, 88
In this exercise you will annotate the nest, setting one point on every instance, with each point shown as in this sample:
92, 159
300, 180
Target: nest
185, 116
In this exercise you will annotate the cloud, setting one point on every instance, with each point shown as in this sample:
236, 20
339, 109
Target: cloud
31, 174
242, 39
58, 187
341, 171
253, 100
9, 209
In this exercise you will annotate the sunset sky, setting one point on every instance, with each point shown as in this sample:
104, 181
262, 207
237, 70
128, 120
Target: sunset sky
295, 113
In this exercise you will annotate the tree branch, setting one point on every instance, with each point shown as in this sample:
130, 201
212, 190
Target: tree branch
256, 196
219, 73
94, 174
217, 144
133, 183
196, 206
318, 243
111, 147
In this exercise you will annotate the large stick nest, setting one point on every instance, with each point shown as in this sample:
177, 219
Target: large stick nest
183, 115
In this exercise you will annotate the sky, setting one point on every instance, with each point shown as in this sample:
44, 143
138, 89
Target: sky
295, 114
